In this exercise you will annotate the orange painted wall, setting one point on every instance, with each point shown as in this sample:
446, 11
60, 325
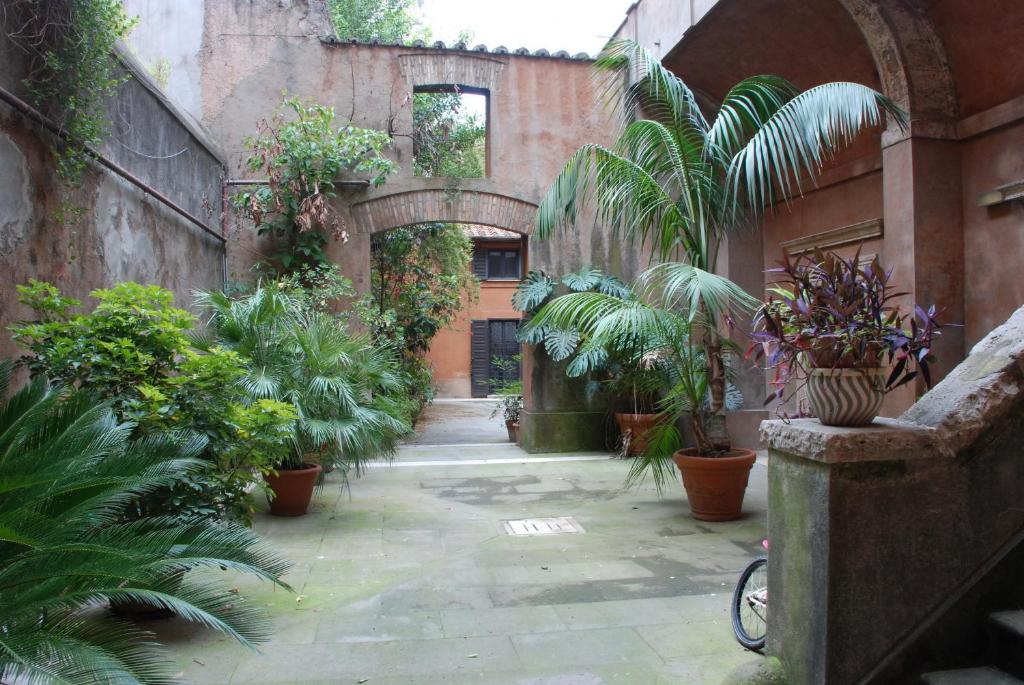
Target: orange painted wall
449, 353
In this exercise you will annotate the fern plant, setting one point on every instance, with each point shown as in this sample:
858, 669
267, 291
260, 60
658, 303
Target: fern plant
71, 542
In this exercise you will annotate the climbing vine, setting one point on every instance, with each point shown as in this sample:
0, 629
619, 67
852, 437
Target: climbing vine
302, 157
71, 68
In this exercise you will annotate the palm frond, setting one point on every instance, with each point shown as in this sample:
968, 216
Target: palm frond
801, 135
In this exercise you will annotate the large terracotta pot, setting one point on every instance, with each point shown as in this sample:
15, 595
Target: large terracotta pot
292, 490
846, 397
636, 426
715, 485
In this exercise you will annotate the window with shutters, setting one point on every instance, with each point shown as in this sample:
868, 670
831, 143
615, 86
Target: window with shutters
497, 263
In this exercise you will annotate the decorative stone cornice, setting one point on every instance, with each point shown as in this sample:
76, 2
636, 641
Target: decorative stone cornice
1004, 193
836, 237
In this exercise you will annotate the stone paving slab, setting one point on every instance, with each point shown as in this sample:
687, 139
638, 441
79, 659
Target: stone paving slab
408, 577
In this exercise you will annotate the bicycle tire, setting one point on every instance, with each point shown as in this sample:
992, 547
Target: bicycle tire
751, 642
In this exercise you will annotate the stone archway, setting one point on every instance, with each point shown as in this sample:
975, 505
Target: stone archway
912, 65
447, 206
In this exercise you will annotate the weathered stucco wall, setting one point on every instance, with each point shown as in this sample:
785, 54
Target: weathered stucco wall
122, 233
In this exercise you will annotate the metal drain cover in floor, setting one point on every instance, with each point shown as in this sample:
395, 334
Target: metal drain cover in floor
549, 526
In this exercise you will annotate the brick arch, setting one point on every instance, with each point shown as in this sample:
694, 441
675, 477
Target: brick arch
443, 67
912, 64
459, 206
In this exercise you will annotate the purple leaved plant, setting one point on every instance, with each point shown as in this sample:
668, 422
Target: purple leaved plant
828, 312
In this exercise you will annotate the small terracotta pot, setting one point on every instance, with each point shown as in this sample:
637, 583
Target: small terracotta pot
715, 485
292, 490
846, 397
513, 429
636, 425
519, 434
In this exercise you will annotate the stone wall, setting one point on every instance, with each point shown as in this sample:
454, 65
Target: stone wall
123, 233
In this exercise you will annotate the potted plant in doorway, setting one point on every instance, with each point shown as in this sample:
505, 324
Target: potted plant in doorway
510, 404
509, 389
834, 322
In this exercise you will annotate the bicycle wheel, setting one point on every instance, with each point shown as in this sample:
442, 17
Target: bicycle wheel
750, 605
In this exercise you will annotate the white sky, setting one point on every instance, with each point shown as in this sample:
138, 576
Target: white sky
570, 25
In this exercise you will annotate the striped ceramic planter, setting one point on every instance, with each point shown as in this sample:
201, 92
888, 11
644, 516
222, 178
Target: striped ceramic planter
846, 397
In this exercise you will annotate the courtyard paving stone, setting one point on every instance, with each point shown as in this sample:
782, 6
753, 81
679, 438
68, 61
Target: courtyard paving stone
409, 577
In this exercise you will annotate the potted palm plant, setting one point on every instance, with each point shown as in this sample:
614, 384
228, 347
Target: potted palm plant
609, 326
634, 384
343, 388
835, 321
681, 183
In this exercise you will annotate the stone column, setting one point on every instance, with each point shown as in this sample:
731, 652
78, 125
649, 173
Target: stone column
924, 241
845, 508
741, 260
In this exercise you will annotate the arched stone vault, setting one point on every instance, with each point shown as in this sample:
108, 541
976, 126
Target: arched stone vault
912, 65
450, 206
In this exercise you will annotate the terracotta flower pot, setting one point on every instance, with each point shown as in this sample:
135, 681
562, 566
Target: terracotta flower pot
513, 429
292, 490
846, 397
715, 485
636, 426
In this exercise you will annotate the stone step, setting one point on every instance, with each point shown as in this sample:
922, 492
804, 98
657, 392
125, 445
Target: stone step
971, 676
1006, 630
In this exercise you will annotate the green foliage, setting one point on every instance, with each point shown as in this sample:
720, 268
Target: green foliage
681, 183
448, 142
70, 476
510, 392
133, 337
386, 21
134, 351
303, 157
344, 389
72, 69
420, 279
537, 288
245, 439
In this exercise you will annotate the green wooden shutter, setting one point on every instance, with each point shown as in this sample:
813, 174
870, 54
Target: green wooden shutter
480, 262
480, 346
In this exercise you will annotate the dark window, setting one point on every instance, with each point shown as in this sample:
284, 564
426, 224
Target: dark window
494, 350
503, 264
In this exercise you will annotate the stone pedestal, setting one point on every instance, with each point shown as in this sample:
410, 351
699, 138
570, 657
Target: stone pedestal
843, 505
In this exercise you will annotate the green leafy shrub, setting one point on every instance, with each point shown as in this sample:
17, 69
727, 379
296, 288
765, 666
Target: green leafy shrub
134, 351
134, 337
70, 541
302, 159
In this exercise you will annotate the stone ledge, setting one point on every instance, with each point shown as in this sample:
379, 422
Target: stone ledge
884, 440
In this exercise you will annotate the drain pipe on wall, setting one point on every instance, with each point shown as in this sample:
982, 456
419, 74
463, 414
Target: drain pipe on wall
35, 115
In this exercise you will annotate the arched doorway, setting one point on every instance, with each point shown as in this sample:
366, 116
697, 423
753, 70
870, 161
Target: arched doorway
475, 357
